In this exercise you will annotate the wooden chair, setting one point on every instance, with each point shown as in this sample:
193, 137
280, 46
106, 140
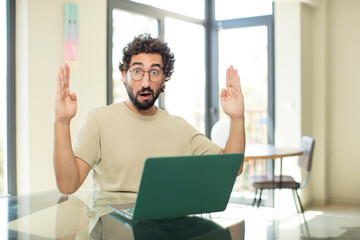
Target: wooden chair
286, 181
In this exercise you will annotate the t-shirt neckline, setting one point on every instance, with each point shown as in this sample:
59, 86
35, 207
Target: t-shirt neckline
139, 116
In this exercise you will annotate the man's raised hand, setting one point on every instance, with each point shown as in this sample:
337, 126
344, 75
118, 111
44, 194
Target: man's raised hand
65, 102
231, 98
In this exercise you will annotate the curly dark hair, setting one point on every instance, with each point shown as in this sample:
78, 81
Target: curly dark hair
144, 43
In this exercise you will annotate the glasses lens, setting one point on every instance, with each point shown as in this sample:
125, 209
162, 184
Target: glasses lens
155, 75
137, 74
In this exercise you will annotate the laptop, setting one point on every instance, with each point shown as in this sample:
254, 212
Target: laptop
178, 186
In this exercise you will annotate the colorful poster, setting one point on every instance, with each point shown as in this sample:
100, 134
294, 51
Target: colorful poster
71, 34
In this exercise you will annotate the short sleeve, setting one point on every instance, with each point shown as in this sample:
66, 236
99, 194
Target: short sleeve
201, 145
87, 145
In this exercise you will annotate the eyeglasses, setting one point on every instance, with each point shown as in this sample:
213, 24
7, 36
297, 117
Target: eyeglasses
137, 74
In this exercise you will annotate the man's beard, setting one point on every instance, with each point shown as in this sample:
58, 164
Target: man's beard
147, 104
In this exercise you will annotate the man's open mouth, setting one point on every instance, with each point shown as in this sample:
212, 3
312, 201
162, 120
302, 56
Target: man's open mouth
145, 94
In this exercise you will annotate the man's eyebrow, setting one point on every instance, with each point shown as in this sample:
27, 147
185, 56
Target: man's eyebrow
141, 64
156, 65
137, 63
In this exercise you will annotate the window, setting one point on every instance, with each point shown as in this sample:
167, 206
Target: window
246, 49
246, 41
241, 35
188, 81
187, 84
132, 24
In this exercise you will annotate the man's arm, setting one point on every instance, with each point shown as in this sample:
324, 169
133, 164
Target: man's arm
232, 102
70, 171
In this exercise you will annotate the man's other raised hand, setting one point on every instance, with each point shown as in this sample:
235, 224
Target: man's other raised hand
65, 102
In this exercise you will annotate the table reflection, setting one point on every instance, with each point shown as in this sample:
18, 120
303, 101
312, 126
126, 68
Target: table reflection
113, 226
85, 215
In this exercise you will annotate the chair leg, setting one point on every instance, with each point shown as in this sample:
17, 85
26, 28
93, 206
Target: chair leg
302, 209
259, 197
254, 201
295, 200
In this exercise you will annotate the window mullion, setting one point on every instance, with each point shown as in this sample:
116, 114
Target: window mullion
11, 100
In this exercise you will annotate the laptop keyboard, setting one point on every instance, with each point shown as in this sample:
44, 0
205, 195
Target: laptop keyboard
129, 211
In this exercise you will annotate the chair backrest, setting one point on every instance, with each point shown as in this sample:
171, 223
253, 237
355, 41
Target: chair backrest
305, 160
220, 132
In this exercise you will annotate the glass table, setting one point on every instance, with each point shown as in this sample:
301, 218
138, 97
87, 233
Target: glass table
85, 215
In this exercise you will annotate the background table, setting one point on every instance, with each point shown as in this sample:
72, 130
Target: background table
269, 151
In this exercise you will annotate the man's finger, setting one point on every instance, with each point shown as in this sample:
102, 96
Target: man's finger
228, 77
58, 83
61, 74
232, 76
238, 82
73, 97
235, 78
67, 71
223, 94
66, 75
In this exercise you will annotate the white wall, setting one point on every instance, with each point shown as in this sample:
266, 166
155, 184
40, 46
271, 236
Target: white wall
325, 53
40, 34
343, 101
287, 73
317, 192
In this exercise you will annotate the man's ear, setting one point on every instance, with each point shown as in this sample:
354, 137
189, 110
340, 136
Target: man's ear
163, 88
123, 75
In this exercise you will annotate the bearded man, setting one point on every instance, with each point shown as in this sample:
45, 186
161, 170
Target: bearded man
115, 140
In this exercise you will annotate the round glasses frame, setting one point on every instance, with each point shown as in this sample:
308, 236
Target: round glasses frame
138, 74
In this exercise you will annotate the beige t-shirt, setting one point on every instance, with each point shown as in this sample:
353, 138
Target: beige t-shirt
115, 142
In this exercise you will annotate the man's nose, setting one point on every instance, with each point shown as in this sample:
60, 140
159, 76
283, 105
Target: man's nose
146, 80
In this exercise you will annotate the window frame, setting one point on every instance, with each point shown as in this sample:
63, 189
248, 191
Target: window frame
11, 98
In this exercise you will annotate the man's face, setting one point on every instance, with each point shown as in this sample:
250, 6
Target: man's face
144, 92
